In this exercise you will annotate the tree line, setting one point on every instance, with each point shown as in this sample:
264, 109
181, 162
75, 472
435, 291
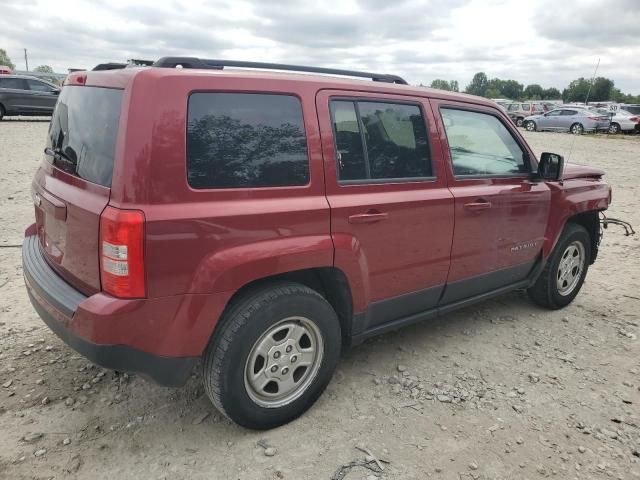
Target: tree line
602, 90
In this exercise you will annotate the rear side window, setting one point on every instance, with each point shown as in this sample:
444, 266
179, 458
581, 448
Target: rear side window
244, 140
481, 145
83, 132
379, 140
14, 83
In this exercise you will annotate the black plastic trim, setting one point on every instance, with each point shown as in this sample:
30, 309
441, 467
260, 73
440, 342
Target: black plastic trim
212, 64
46, 281
165, 371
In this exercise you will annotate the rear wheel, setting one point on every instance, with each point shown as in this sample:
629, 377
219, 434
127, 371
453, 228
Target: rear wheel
565, 271
272, 355
614, 128
519, 121
577, 129
530, 126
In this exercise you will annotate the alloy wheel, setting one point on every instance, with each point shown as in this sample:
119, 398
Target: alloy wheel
283, 362
570, 268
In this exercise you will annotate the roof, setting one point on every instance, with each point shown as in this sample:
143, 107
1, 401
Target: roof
121, 78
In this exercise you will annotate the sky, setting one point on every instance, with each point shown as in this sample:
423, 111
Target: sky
549, 42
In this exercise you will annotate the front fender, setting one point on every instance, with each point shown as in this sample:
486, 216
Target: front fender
569, 198
230, 269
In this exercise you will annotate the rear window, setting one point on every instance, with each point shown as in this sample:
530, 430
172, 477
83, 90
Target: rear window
244, 140
83, 130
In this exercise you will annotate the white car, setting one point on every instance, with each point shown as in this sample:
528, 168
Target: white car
622, 121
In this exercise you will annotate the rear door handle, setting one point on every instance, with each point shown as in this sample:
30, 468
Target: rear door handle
369, 217
478, 205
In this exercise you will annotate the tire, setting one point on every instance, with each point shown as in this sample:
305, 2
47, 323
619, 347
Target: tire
530, 126
577, 129
267, 320
549, 291
519, 121
614, 128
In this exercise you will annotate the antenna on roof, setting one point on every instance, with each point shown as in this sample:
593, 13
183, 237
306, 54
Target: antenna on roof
593, 78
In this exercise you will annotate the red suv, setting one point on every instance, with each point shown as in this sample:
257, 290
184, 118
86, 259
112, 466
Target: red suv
259, 222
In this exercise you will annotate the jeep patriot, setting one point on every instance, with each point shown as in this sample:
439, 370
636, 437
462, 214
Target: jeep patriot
257, 222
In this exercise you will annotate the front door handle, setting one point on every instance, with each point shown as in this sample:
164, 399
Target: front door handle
371, 216
479, 204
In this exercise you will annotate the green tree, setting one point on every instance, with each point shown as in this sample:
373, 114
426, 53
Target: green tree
43, 69
5, 60
478, 85
602, 90
551, 94
512, 89
533, 92
440, 84
576, 91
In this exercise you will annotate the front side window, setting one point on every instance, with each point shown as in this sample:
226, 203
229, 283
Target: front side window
554, 113
480, 145
526, 107
380, 140
39, 86
569, 113
245, 140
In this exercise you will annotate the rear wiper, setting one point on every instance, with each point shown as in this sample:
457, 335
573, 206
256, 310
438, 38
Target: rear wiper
60, 159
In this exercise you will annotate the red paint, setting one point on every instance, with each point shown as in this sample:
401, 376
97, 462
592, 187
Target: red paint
202, 246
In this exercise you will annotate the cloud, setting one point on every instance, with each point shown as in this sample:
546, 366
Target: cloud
546, 43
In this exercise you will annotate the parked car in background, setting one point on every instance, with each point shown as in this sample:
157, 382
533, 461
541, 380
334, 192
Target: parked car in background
519, 111
635, 109
622, 121
22, 95
253, 223
574, 119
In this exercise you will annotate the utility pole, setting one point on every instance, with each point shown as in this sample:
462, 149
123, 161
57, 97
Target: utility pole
26, 60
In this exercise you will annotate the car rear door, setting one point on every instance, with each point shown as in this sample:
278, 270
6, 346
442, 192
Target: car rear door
73, 184
15, 95
500, 213
391, 210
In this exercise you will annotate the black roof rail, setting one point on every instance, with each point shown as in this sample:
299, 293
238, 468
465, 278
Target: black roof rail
193, 62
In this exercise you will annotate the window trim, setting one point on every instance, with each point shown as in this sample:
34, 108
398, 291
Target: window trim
378, 181
244, 189
525, 150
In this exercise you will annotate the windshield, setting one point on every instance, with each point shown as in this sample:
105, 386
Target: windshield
83, 132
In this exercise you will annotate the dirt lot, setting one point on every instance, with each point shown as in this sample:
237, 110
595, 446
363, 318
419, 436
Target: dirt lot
502, 390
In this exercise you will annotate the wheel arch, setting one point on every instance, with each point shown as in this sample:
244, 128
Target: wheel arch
330, 282
590, 220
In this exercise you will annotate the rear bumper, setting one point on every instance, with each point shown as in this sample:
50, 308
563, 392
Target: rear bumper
67, 312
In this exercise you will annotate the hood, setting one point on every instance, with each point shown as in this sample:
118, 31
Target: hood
573, 170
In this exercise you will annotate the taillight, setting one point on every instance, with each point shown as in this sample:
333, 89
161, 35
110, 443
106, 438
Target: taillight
122, 252
634, 119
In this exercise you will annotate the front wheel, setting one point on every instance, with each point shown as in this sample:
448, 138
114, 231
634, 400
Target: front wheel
576, 129
519, 122
614, 128
272, 355
530, 126
565, 271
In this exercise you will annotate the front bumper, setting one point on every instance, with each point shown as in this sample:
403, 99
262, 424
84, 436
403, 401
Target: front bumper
57, 303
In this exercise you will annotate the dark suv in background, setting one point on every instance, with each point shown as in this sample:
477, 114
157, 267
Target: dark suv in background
22, 95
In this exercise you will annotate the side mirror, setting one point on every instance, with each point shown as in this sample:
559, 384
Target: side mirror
551, 166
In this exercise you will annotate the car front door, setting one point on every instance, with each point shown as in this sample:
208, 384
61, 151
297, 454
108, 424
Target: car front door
42, 97
391, 210
549, 120
500, 213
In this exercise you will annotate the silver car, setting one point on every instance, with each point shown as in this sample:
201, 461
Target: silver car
572, 119
621, 121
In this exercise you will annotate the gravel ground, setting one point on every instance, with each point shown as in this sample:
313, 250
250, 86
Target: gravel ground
501, 390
